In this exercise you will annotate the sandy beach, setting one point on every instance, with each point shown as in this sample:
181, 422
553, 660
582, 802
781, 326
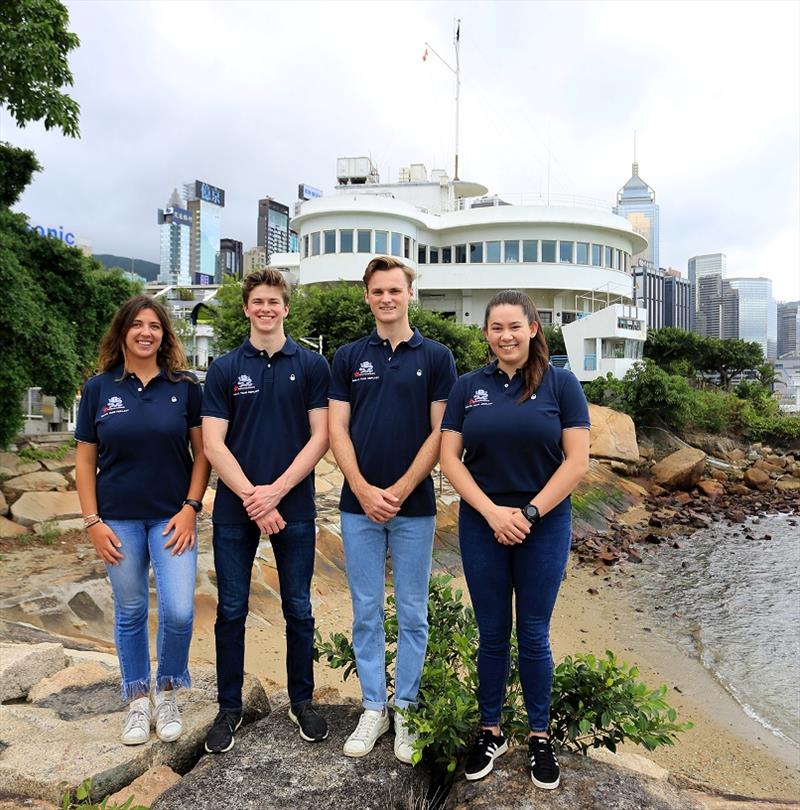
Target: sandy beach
725, 752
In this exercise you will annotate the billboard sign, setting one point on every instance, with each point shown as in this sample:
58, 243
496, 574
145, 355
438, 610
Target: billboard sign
208, 193
203, 279
67, 237
180, 216
305, 192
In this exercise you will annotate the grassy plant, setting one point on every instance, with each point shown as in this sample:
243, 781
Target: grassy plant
49, 532
32, 453
82, 800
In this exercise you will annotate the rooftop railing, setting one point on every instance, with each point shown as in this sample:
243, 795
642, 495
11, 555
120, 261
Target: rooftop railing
527, 198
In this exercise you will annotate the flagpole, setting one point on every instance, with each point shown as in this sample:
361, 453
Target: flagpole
457, 72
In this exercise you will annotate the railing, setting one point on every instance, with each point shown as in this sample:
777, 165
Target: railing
32, 404
559, 360
590, 362
527, 198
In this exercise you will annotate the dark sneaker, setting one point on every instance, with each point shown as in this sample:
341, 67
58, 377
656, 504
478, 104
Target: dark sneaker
486, 748
313, 728
545, 772
220, 737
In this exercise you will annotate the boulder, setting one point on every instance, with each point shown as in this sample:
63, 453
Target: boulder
76, 676
737, 454
59, 526
271, 768
770, 469
34, 482
60, 464
38, 507
612, 435
757, 479
146, 788
3, 504
711, 488
586, 783
10, 529
23, 665
11, 465
73, 734
680, 470
788, 485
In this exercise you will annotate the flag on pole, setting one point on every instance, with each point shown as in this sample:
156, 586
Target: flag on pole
458, 31
425, 55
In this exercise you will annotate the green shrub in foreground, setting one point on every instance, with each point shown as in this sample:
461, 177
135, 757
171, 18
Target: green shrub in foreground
83, 800
595, 702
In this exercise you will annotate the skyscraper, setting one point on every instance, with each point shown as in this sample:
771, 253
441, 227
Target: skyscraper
231, 260
677, 300
648, 291
708, 264
176, 222
273, 226
636, 201
758, 313
788, 328
205, 203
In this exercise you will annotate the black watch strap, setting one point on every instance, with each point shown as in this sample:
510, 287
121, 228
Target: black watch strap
196, 505
531, 513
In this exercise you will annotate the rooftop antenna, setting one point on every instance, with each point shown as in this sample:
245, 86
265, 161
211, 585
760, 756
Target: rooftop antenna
635, 164
456, 71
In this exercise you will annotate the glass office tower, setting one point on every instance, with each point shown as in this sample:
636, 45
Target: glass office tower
758, 313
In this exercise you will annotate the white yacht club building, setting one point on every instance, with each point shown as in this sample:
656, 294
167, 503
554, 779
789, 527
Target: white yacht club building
572, 255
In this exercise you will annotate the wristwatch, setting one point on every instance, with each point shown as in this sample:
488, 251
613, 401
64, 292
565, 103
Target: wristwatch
196, 505
531, 512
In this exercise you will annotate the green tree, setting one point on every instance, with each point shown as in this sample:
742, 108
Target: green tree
554, 338
727, 358
34, 43
674, 350
466, 342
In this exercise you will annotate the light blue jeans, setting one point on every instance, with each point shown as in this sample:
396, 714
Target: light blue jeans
143, 545
409, 540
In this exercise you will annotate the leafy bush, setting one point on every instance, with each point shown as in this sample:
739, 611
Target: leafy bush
554, 338
595, 702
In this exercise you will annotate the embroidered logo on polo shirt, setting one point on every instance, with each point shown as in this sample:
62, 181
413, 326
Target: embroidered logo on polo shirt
244, 385
480, 397
366, 371
114, 405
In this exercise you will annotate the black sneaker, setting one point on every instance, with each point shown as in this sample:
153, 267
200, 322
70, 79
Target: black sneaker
545, 772
220, 736
313, 728
486, 748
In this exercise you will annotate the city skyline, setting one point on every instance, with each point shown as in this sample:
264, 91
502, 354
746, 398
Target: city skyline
717, 135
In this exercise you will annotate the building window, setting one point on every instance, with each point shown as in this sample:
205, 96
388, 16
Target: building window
382, 242
597, 257
566, 252
630, 323
530, 250
476, 252
396, 244
364, 240
511, 251
583, 253
406, 247
617, 259
433, 255
546, 316
622, 349
346, 241
609, 256
548, 250
421, 254
461, 254
493, 251
315, 243
305, 246
329, 241
568, 317
447, 255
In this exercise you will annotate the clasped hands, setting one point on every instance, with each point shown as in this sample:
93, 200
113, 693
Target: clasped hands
381, 504
508, 523
261, 503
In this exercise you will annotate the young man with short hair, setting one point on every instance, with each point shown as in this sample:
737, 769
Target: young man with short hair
387, 397
264, 430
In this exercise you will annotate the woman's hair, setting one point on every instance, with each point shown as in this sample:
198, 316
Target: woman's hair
170, 357
538, 354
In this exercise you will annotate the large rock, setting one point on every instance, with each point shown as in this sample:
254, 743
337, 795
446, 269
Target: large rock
271, 768
37, 507
35, 482
74, 734
3, 504
612, 435
11, 465
10, 529
23, 665
60, 464
146, 788
788, 485
586, 784
680, 470
757, 479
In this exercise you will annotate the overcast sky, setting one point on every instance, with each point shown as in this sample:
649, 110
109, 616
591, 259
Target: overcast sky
257, 97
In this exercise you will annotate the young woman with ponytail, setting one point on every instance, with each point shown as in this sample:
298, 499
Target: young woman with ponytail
515, 443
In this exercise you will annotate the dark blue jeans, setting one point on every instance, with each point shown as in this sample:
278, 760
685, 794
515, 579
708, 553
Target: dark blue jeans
235, 546
532, 572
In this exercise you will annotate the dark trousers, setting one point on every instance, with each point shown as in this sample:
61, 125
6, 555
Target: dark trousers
235, 546
532, 572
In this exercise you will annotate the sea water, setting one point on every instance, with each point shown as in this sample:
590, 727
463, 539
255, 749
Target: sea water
735, 603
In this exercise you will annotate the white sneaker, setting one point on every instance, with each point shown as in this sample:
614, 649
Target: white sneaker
370, 726
137, 724
168, 719
404, 739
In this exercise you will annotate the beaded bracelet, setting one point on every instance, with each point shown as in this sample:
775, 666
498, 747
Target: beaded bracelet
97, 520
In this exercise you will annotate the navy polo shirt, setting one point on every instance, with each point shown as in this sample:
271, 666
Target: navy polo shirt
142, 438
390, 394
266, 401
512, 449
